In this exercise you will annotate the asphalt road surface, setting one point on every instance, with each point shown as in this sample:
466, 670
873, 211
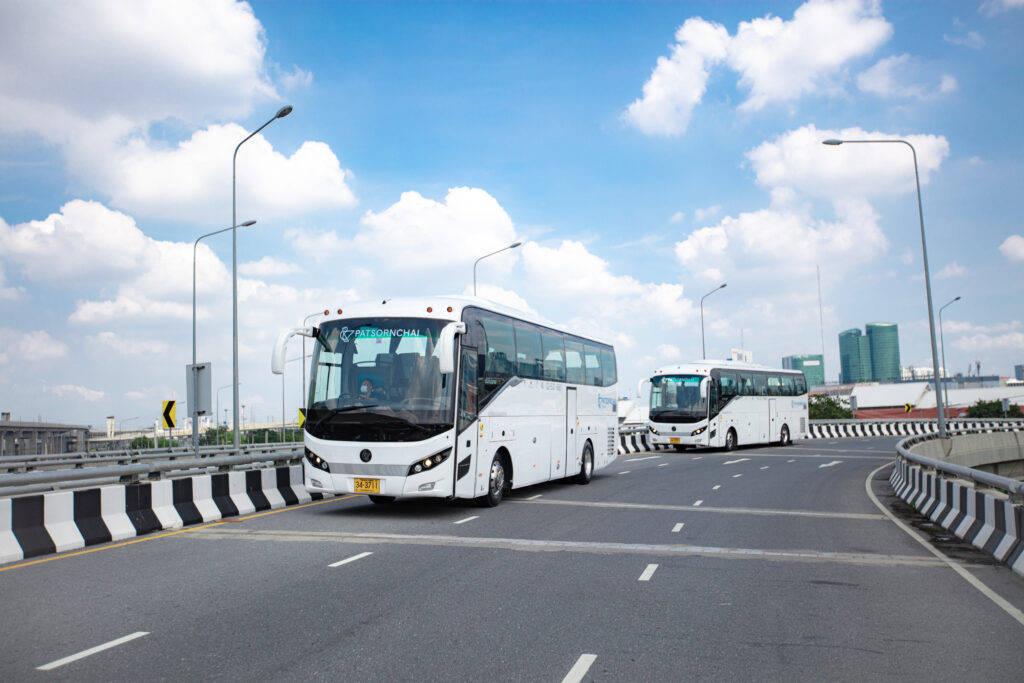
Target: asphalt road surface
760, 564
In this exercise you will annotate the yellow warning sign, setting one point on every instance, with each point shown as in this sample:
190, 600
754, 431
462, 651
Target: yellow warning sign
907, 407
302, 417
168, 415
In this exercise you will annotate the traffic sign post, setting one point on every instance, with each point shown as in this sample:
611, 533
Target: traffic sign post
167, 418
197, 380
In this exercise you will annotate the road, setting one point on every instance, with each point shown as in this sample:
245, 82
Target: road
761, 564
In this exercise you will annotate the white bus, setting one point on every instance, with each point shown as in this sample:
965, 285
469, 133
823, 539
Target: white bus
452, 397
726, 404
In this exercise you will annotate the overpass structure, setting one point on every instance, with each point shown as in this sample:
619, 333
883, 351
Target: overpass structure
39, 438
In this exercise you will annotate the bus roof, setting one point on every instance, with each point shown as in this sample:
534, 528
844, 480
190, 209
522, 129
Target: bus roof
441, 307
704, 367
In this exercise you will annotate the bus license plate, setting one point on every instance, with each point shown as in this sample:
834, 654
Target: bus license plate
367, 485
674, 439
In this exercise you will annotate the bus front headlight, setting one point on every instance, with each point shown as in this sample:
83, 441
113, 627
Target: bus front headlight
695, 432
316, 461
653, 430
430, 462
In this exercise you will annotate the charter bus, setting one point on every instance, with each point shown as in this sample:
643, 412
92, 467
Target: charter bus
452, 397
726, 404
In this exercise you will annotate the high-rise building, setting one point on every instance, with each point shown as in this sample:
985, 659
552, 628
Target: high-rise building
1018, 371
874, 357
854, 357
884, 345
812, 365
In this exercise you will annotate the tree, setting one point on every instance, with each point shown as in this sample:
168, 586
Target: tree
825, 407
992, 409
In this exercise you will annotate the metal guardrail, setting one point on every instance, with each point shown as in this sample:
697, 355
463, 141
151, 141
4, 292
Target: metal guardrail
51, 472
1014, 488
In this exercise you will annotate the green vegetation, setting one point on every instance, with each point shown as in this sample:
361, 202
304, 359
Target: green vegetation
825, 407
993, 409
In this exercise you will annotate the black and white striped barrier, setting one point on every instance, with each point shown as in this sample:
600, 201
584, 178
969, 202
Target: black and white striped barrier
636, 442
987, 522
854, 428
70, 520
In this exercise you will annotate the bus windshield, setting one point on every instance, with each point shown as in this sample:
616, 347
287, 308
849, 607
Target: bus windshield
676, 398
378, 379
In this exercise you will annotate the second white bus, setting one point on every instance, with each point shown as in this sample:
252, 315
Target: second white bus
452, 397
726, 404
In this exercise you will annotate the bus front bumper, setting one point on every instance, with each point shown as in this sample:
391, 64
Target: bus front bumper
431, 484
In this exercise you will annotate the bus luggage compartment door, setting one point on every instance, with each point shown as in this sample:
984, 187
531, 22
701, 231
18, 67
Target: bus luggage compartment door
572, 430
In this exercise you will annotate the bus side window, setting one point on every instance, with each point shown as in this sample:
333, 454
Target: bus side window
608, 365
574, 362
789, 385
554, 356
529, 361
467, 389
592, 355
499, 358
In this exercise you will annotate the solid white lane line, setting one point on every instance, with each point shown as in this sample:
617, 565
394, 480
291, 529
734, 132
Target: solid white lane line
649, 457
677, 528
698, 503
350, 559
830, 464
467, 519
91, 651
716, 487
579, 669
966, 575
736, 476
648, 573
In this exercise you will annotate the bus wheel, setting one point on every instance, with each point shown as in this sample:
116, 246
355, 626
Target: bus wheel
587, 466
730, 440
495, 483
784, 436
381, 500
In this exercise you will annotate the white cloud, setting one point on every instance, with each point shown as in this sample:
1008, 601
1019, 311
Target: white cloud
1013, 248
901, 76
39, 345
677, 83
502, 296
709, 212
1013, 341
776, 60
971, 39
950, 270
74, 391
798, 160
268, 266
189, 181
668, 353
993, 7
907, 257
677, 217
296, 78
117, 344
780, 60
967, 327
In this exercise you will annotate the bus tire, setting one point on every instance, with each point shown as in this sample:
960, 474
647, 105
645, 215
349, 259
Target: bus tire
784, 439
730, 440
382, 500
496, 483
586, 466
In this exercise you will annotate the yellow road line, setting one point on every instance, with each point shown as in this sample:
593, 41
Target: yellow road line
141, 539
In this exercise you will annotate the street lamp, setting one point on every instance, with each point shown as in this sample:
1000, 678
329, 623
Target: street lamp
942, 344
703, 353
511, 246
281, 113
940, 409
195, 375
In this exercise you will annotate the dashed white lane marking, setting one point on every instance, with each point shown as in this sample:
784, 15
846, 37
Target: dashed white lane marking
91, 651
579, 669
830, 464
733, 462
664, 464
791, 460
649, 457
467, 519
350, 559
534, 497
698, 457
736, 476
625, 472
698, 503
677, 528
648, 573
716, 487
765, 467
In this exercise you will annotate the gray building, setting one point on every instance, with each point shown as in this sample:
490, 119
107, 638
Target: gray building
40, 438
1018, 372
812, 365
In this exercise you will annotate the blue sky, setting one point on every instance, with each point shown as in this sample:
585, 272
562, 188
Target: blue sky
643, 152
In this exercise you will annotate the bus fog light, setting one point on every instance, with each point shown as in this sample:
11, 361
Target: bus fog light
417, 468
316, 483
427, 487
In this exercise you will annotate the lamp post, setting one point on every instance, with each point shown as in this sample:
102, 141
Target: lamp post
940, 409
192, 399
511, 246
942, 344
703, 353
281, 113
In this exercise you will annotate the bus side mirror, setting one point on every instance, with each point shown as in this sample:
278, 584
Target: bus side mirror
640, 387
446, 346
277, 357
704, 387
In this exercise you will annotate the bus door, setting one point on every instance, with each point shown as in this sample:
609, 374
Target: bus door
466, 432
773, 420
572, 430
